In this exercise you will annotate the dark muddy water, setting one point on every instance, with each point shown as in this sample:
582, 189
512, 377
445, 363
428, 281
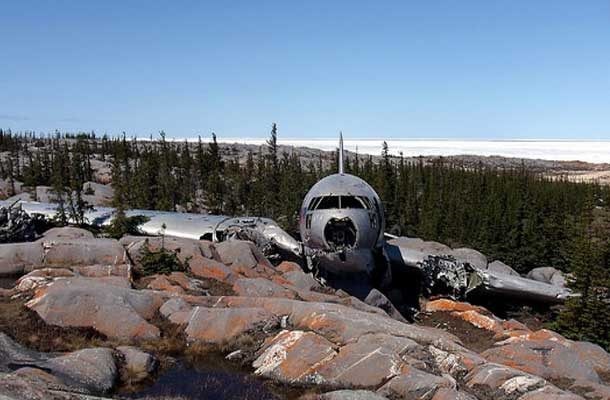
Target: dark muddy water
7, 283
212, 379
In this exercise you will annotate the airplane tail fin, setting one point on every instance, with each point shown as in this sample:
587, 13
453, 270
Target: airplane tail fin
340, 153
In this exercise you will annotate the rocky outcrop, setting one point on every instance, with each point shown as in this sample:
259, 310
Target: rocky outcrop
91, 370
500, 267
111, 310
61, 247
548, 275
289, 328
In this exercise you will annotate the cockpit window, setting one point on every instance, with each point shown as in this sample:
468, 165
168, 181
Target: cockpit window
329, 202
352, 202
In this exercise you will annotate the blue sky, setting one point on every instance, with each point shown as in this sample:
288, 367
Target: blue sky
427, 69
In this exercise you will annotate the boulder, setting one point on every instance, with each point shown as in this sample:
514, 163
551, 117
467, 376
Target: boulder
16, 387
12, 353
223, 325
447, 305
594, 355
591, 390
101, 271
548, 275
244, 257
478, 320
261, 287
65, 233
501, 268
456, 363
549, 392
301, 280
291, 356
414, 384
470, 256
15, 258
40, 277
174, 305
114, 311
83, 252
366, 363
547, 359
92, 369
211, 269
236, 253
452, 394
377, 299
187, 250
288, 266
138, 365
339, 323
351, 395
494, 380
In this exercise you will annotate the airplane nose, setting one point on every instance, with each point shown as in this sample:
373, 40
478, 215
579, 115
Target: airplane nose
340, 233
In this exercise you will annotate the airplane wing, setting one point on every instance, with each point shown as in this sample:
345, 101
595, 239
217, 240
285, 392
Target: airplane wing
445, 272
215, 228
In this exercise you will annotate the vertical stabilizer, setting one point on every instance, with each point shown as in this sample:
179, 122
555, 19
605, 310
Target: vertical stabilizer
341, 153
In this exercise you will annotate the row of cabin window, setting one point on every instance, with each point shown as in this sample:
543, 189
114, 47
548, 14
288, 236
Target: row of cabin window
328, 202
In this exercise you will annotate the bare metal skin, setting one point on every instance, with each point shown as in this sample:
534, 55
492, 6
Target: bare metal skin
342, 230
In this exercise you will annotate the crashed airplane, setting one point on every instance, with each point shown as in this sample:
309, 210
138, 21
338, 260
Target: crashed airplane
342, 237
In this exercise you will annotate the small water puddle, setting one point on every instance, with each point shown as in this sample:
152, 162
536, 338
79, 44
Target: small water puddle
8, 282
212, 379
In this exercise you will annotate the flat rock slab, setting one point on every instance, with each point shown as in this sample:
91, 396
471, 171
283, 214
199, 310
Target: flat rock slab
452, 394
223, 325
498, 380
211, 269
84, 252
15, 258
414, 384
261, 287
292, 357
351, 395
65, 233
364, 364
547, 359
549, 392
13, 353
301, 280
112, 310
92, 369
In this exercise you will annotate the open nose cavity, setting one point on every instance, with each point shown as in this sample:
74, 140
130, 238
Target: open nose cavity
340, 233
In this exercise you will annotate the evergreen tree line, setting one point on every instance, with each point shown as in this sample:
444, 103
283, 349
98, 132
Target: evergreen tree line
514, 215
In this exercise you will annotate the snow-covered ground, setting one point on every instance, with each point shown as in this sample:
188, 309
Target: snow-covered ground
563, 150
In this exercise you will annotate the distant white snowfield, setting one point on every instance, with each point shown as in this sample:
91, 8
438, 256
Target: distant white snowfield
563, 150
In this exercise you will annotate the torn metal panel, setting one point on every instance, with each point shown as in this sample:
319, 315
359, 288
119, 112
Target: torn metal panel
523, 288
445, 275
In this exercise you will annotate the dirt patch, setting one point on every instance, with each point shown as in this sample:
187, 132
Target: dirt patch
211, 286
473, 338
28, 329
217, 288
